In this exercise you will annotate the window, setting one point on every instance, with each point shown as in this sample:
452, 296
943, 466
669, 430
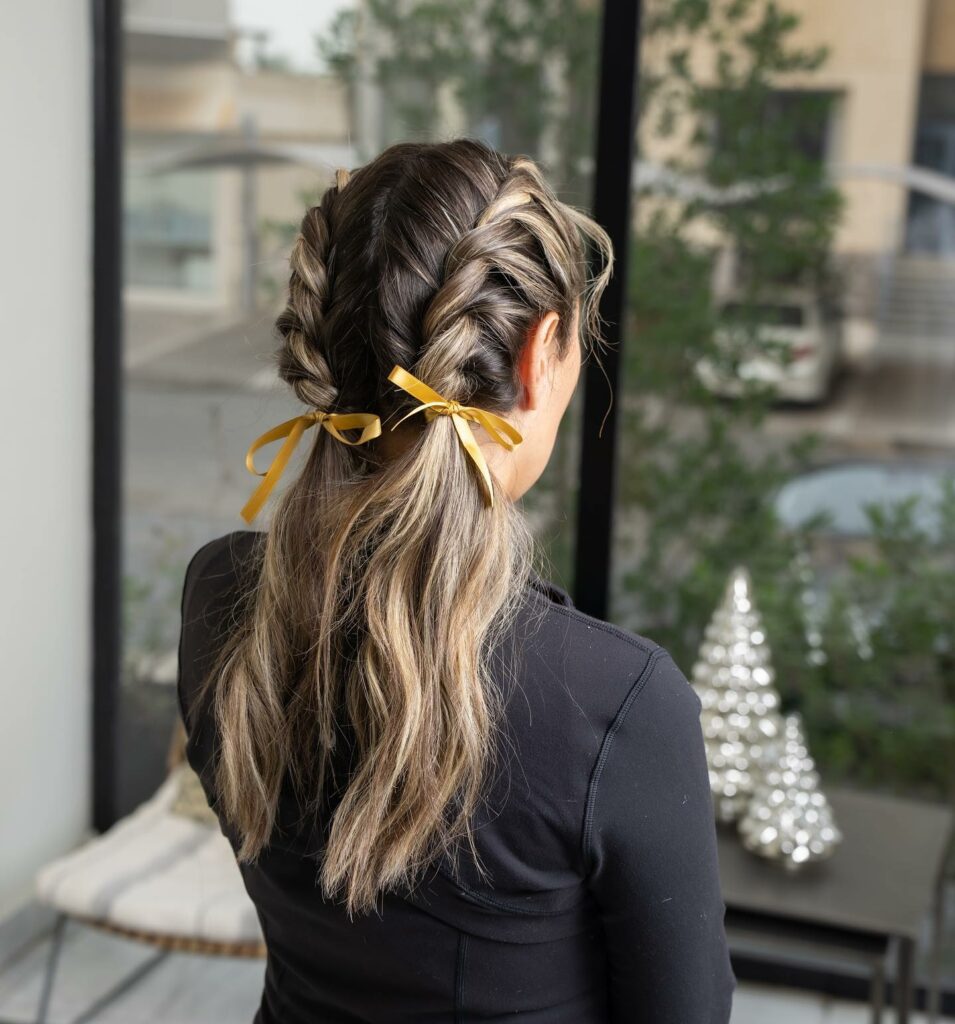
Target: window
169, 231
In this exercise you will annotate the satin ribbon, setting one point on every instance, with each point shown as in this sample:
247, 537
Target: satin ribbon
432, 404
333, 422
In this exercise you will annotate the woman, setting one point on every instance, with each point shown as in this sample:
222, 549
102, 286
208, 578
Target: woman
452, 795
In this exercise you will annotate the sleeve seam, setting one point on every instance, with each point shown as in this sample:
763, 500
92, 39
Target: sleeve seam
635, 690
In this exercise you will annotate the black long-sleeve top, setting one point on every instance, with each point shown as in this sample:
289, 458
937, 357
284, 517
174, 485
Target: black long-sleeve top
604, 902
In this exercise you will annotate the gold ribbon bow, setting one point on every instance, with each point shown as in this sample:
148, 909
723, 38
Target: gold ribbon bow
499, 430
333, 422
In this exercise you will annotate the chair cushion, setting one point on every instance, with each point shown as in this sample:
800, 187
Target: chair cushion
156, 871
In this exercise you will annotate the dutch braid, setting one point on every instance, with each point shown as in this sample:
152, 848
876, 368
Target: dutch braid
301, 362
505, 242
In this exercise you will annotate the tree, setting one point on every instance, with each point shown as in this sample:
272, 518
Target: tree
697, 479
524, 72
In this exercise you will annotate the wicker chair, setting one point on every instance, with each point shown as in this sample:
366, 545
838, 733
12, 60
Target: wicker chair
164, 875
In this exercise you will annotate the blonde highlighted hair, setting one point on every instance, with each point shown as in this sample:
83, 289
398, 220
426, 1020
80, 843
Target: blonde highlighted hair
386, 582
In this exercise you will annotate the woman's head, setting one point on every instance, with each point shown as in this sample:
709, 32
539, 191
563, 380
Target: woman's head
459, 264
386, 579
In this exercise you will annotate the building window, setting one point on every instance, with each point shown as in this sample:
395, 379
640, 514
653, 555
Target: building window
168, 230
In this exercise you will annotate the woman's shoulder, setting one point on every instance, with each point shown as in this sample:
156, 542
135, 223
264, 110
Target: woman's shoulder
571, 683
579, 676
219, 561
582, 677
600, 659
213, 583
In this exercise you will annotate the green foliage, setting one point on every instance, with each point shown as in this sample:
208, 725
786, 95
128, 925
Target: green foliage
697, 477
883, 694
338, 46
870, 663
494, 57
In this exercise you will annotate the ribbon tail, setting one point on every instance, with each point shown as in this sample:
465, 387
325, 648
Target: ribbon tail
477, 456
410, 383
423, 407
498, 429
369, 422
294, 429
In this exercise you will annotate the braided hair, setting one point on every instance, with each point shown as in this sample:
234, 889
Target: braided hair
386, 583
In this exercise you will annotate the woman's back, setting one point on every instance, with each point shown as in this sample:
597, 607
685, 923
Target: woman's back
600, 900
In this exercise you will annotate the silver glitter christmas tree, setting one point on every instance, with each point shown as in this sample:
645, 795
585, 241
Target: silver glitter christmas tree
789, 819
734, 680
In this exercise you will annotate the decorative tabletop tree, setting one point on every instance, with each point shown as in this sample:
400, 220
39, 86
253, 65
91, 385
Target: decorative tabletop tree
789, 818
734, 680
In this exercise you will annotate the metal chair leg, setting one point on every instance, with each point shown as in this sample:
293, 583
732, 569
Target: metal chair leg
938, 914
49, 974
904, 980
877, 990
124, 986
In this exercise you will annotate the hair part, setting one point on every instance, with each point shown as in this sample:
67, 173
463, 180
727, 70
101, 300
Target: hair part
361, 668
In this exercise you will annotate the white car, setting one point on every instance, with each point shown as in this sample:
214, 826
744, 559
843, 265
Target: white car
804, 366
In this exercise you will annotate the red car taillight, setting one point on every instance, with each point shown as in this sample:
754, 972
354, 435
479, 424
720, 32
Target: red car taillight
803, 351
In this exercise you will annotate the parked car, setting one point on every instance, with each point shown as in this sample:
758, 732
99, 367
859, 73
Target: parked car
842, 490
808, 334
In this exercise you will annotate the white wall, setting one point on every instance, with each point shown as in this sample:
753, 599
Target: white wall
45, 417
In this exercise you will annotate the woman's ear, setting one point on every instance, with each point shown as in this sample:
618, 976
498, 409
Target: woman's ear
534, 364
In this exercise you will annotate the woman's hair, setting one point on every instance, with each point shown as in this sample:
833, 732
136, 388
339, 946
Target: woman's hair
386, 583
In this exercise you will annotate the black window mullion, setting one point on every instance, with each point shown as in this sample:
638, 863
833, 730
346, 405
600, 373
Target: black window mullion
107, 327
616, 132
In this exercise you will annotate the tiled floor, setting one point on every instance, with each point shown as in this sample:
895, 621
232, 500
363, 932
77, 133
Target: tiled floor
202, 990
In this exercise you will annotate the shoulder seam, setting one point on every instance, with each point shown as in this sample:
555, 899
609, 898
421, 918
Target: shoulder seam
460, 966
635, 690
648, 647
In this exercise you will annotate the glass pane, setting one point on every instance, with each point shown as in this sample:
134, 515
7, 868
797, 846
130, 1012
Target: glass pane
789, 388
236, 116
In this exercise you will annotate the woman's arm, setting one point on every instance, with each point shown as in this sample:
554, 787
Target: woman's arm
650, 834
